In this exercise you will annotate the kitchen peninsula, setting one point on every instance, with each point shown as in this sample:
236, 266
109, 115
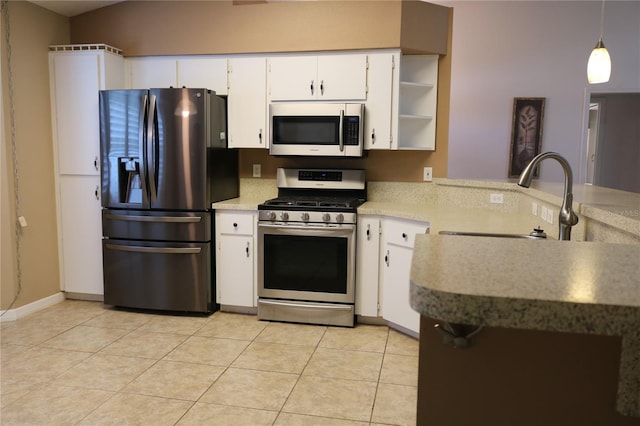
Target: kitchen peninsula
605, 246
560, 336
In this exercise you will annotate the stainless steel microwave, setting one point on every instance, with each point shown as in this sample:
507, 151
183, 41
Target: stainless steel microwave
316, 129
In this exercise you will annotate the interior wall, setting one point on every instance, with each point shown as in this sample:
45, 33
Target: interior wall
211, 27
533, 49
32, 30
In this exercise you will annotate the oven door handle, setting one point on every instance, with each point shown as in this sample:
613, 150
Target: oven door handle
309, 230
307, 305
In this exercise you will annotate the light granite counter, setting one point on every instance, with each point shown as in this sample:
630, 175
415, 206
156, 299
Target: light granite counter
565, 286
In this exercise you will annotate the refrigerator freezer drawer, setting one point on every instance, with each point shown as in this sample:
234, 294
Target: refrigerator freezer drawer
160, 276
156, 225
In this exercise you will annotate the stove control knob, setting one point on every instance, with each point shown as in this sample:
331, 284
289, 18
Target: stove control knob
271, 215
284, 216
326, 217
339, 217
304, 217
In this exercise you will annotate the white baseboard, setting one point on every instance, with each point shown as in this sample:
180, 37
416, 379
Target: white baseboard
38, 305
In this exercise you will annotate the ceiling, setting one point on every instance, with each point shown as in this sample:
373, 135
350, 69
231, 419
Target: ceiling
73, 7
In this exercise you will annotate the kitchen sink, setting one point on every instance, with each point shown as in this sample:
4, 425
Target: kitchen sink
536, 234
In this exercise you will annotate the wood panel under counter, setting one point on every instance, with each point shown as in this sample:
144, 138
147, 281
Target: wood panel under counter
561, 343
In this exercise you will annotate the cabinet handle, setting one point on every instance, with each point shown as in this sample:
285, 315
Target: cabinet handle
373, 136
260, 136
247, 249
368, 232
386, 258
97, 192
95, 162
321, 87
404, 236
235, 225
311, 87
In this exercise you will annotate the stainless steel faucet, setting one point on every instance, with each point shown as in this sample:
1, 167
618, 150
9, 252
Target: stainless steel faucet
566, 217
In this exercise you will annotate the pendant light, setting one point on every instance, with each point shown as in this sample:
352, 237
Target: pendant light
599, 65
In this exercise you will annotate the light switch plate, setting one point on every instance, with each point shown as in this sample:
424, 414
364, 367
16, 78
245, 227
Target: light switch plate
257, 170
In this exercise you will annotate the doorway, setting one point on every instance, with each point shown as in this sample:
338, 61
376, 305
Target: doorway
613, 141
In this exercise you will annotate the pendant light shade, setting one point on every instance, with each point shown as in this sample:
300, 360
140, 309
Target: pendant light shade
599, 65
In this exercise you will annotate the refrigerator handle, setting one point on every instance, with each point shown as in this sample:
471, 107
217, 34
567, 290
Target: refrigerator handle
142, 163
151, 149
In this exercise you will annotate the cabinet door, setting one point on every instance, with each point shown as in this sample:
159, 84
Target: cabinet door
81, 234
293, 78
235, 258
207, 73
247, 103
234, 270
377, 123
75, 116
342, 77
367, 260
146, 73
398, 239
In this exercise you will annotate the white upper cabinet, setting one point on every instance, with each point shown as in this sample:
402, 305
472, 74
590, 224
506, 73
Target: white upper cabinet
247, 102
382, 73
325, 77
417, 103
205, 73
148, 72
76, 77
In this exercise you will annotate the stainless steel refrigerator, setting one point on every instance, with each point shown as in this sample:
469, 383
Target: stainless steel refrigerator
164, 161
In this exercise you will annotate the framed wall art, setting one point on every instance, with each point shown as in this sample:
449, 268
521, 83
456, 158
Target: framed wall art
526, 133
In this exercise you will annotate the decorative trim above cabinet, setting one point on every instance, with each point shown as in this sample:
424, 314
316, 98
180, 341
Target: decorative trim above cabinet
84, 48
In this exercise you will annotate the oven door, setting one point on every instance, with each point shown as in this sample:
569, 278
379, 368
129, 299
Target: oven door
307, 262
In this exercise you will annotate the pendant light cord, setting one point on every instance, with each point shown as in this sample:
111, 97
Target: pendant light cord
14, 152
602, 20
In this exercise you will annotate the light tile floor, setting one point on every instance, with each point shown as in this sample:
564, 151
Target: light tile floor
83, 363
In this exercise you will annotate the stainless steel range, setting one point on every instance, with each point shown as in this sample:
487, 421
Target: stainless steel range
307, 246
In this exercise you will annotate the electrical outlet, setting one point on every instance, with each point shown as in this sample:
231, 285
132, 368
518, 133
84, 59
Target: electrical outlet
496, 199
534, 209
544, 213
550, 216
257, 170
428, 174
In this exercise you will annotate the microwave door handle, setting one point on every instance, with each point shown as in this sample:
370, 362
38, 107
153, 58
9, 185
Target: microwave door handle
340, 136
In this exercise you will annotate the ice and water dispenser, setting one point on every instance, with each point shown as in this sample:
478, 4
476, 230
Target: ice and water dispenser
129, 179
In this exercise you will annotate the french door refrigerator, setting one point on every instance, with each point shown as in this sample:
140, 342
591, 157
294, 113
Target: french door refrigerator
164, 161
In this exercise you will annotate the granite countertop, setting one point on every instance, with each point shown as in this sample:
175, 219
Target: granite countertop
580, 287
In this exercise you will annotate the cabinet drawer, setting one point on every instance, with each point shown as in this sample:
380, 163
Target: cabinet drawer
403, 233
235, 223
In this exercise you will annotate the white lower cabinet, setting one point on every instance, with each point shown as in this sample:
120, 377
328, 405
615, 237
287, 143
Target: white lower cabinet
367, 261
396, 251
81, 235
236, 258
